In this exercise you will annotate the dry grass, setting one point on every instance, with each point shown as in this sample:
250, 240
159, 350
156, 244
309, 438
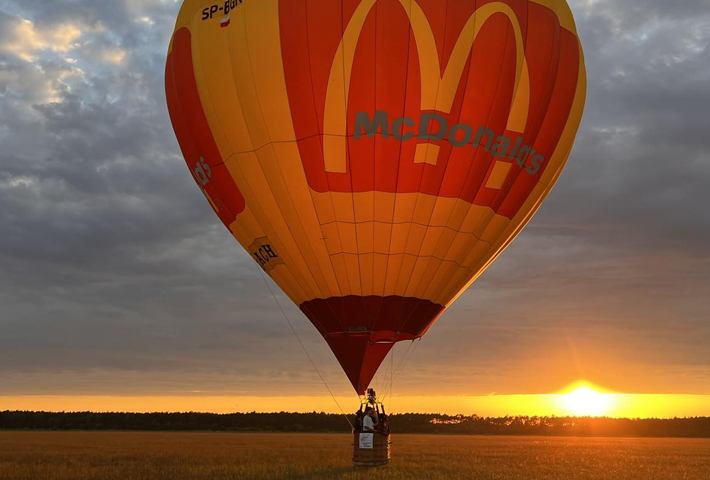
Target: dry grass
216, 456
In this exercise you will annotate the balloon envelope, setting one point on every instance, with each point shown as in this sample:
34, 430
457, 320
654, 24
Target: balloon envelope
375, 156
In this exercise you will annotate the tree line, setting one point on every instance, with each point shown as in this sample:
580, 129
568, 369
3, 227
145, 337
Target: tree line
323, 422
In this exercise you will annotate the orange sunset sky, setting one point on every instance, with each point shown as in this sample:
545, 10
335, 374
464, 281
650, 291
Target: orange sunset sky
120, 290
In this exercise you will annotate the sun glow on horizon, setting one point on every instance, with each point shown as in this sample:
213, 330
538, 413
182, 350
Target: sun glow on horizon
579, 399
586, 400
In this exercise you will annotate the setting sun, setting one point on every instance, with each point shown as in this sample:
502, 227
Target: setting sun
585, 401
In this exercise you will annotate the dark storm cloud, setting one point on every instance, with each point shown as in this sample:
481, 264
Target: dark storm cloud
115, 277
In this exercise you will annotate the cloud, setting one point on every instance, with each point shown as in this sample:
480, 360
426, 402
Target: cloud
21, 38
115, 276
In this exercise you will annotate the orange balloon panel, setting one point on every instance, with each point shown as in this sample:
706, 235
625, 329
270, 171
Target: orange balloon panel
375, 156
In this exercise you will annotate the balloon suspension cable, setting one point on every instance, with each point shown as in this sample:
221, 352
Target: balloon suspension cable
283, 312
408, 354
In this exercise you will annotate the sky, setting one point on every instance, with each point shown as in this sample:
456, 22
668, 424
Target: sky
118, 281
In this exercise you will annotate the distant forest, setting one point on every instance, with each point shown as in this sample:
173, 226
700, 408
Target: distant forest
322, 422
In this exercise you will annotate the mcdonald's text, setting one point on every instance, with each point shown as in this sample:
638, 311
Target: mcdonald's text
433, 127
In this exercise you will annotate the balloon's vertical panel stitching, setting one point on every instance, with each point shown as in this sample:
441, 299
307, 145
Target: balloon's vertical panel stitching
319, 135
579, 90
476, 239
500, 247
312, 243
474, 15
322, 133
418, 195
374, 291
327, 270
349, 156
179, 85
545, 104
391, 257
575, 117
484, 222
349, 161
465, 80
199, 69
374, 176
262, 218
399, 162
546, 107
309, 268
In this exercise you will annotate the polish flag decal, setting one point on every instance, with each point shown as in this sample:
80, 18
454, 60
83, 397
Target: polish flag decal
225, 22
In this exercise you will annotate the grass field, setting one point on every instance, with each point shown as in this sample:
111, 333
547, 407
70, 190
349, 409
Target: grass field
178, 456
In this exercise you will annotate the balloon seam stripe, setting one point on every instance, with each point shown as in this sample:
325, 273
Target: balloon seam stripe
421, 178
396, 185
428, 225
349, 156
540, 101
320, 135
490, 112
338, 280
441, 286
288, 227
482, 225
495, 254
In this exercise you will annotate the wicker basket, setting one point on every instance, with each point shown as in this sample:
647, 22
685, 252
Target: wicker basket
371, 449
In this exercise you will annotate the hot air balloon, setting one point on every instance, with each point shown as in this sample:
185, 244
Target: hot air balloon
374, 157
